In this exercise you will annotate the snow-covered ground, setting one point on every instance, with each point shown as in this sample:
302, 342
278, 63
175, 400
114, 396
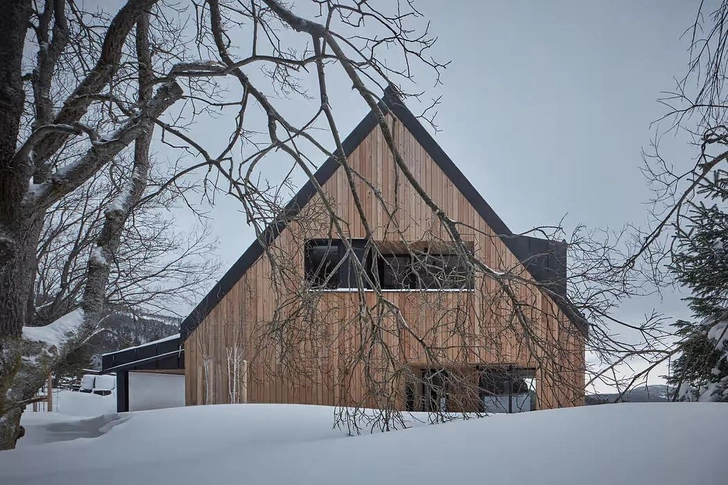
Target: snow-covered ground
641, 443
80, 404
146, 391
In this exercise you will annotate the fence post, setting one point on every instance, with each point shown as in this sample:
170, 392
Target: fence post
49, 393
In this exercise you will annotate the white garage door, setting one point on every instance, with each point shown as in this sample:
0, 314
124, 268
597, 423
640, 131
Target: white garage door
155, 391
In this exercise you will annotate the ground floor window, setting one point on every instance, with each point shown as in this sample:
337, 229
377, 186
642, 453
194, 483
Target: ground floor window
507, 389
484, 388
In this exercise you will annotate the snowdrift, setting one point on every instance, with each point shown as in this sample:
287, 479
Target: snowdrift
645, 443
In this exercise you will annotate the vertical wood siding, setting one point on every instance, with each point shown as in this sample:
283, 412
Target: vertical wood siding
312, 372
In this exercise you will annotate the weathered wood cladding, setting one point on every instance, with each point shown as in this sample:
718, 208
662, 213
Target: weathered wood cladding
300, 358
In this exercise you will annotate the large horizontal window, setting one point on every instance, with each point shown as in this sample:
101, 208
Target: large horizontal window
394, 267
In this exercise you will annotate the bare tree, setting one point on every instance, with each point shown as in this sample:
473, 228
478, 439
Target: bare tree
237, 365
34, 180
157, 268
294, 341
102, 92
92, 99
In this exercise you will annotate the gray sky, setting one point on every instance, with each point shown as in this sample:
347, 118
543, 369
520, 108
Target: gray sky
546, 107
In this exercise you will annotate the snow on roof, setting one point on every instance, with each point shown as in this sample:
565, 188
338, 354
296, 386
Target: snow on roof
159, 341
55, 333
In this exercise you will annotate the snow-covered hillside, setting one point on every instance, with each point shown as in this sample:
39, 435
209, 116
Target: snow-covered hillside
663, 444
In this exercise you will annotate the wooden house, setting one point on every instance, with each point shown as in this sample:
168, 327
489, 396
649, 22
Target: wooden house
315, 333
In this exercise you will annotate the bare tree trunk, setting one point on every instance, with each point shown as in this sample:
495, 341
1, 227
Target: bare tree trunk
116, 215
28, 373
15, 287
13, 24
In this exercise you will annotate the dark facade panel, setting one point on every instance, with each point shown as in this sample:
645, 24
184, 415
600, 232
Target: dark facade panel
164, 355
122, 391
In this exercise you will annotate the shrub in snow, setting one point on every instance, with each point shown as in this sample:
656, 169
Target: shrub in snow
701, 371
700, 262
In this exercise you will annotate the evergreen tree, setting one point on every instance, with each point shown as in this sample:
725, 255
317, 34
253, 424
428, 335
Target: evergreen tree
700, 262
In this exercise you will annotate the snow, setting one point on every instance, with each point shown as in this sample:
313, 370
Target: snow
719, 333
120, 203
56, 333
33, 189
147, 390
105, 382
97, 256
87, 382
645, 443
165, 339
70, 403
67, 404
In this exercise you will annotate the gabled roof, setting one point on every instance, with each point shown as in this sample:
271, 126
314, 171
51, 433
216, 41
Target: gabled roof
544, 259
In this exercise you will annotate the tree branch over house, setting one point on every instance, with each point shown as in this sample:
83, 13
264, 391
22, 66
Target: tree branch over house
419, 293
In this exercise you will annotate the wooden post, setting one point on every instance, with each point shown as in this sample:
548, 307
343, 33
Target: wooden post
244, 384
49, 393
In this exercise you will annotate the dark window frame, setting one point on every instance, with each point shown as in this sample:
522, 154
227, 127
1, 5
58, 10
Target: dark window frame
436, 389
313, 266
505, 380
421, 270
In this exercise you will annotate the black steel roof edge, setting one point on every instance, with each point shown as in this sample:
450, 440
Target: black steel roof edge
136, 363
390, 102
133, 351
443, 161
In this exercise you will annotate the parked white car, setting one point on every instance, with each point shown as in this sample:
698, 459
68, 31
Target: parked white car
103, 385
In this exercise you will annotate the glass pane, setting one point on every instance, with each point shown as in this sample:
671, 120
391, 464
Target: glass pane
320, 261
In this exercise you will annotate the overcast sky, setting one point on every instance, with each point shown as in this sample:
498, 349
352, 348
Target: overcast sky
545, 107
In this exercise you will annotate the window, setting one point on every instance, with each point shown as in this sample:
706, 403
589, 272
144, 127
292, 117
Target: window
327, 265
435, 390
422, 270
507, 389
321, 259
409, 391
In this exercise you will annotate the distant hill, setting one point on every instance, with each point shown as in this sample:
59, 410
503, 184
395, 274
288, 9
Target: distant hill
653, 393
126, 330
120, 330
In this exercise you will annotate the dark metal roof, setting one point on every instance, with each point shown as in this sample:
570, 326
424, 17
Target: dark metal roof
162, 354
544, 259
